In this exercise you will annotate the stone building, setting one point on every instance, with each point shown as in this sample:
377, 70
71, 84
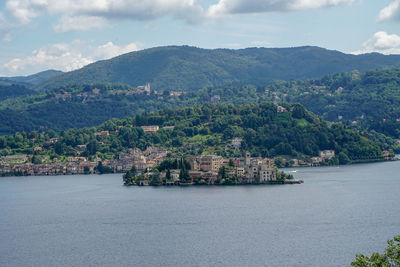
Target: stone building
150, 128
326, 154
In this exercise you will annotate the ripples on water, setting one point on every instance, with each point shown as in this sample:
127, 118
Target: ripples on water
94, 220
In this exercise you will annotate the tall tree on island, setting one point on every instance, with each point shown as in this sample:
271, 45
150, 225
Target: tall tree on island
168, 175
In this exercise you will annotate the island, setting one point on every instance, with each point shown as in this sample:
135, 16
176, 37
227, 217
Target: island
210, 170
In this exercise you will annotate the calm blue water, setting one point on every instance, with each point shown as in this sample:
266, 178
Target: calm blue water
95, 221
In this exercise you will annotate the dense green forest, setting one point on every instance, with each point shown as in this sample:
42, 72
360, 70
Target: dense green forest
13, 90
369, 101
208, 128
80, 106
186, 68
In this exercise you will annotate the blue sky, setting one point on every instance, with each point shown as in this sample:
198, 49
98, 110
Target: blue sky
36, 35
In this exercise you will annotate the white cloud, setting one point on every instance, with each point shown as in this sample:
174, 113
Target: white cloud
5, 29
110, 50
390, 12
64, 56
79, 23
381, 42
260, 43
224, 7
95, 11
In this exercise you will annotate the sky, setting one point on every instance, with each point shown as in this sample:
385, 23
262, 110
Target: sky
36, 35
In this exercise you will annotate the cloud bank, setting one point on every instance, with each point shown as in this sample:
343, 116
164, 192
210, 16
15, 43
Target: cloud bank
226, 7
88, 14
381, 42
99, 10
64, 56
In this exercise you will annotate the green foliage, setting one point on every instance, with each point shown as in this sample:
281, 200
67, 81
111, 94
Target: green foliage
129, 178
178, 163
203, 130
343, 158
222, 173
36, 160
390, 258
184, 176
13, 91
103, 169
86, 170
31, 80
369, 101
155, 177
279, 162
231, 163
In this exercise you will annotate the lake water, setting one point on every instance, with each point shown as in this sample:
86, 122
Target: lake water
95, 221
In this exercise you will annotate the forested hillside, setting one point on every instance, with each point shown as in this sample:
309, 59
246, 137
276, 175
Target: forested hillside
31, 80
266, 129
89, 105
8, 90
369, 101
186, 68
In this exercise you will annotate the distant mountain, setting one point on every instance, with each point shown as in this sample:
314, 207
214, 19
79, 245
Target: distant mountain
13, 90
185, 68
31, 80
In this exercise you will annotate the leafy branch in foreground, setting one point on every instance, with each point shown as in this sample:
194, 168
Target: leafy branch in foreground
391, 257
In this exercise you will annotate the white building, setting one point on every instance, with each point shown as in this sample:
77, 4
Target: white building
327, 154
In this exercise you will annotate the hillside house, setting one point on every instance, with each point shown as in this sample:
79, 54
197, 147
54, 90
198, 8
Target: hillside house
150, 128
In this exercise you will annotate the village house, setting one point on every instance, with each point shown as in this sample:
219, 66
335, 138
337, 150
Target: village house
316, 160
175, 175
53, 140
102, 133
175, 93
143, 89
236, 143
210, 177
63, 96
195, 174
150, 128
215, 98
205, 163
281, 109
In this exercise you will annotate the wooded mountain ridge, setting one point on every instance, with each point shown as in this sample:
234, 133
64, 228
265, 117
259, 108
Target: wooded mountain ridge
190, 68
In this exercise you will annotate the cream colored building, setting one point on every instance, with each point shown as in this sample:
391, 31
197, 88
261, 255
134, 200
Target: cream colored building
150, 128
